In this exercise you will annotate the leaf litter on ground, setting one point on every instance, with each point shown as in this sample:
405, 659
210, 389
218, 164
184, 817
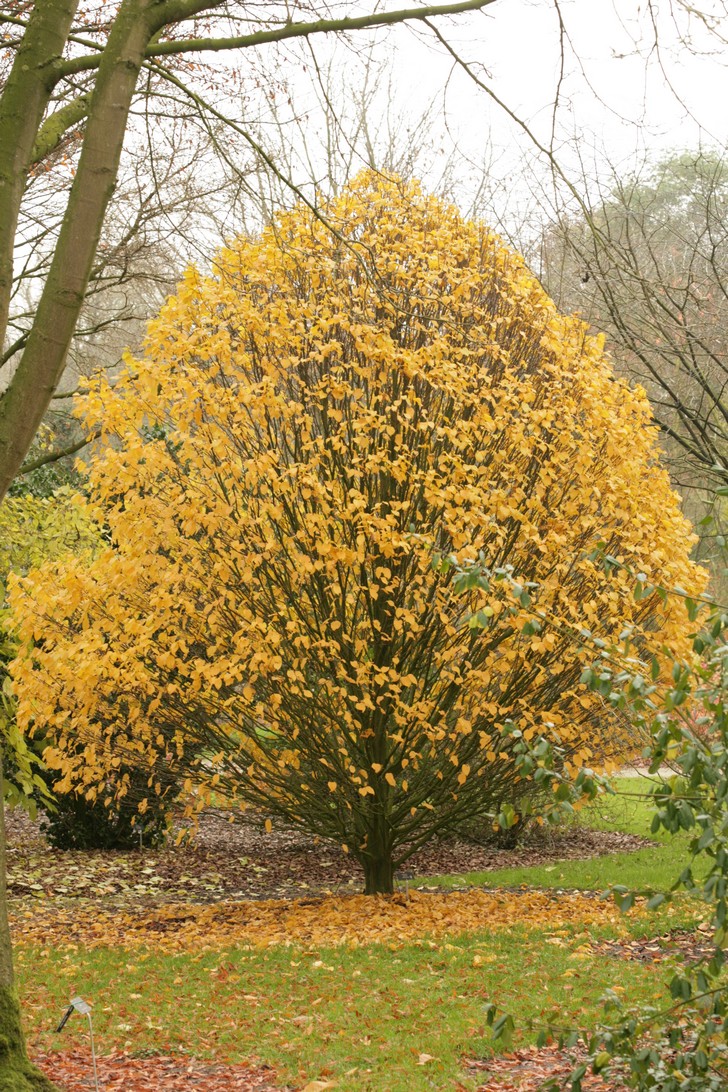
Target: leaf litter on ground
179, 898
524, 1070
332, 920
72, 1070
241, 860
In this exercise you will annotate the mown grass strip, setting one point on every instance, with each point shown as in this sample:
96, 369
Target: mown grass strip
360, 1016
652, 868
630, 811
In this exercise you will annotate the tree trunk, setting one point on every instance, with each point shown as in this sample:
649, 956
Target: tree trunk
43, 359
16, 1072
23, 102
376, 846
378, 874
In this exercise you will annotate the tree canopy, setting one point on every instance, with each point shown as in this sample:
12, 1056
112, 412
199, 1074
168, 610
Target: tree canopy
320, 432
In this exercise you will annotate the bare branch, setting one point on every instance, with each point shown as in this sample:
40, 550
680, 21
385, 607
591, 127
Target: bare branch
282, 33
57, 453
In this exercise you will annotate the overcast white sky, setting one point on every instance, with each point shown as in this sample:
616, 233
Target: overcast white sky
615, 80
631, 87
640, 79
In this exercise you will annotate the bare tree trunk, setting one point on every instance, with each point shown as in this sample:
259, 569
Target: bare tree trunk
16, 1072
378, 875
377, 860
22, 105
41, 365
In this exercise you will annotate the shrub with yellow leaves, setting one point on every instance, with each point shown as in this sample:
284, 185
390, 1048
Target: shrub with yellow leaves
33, 529
345, 402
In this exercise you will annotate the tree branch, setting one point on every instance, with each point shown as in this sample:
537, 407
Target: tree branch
54, 127
320, 26
57, 453
282, 33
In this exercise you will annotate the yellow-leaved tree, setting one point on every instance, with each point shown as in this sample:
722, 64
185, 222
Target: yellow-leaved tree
313, 429
33, 530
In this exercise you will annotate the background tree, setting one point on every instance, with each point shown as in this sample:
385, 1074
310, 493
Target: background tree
646, 262
286, 476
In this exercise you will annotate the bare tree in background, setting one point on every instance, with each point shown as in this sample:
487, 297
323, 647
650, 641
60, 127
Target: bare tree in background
347, 119
647, 262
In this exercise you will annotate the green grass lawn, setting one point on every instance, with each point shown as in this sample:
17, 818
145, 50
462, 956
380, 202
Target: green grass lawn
361, 1016
654, 868
649, 869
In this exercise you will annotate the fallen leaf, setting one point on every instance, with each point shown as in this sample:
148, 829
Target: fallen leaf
71, 1070
357, 919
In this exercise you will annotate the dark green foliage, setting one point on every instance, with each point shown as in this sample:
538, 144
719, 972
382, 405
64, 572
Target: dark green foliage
685, 1045
47, 480
106, 823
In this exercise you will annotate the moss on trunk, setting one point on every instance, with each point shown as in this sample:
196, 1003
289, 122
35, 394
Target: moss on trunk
16, 1072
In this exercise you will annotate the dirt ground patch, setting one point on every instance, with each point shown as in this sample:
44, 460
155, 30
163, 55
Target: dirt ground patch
240, 860
72, 1070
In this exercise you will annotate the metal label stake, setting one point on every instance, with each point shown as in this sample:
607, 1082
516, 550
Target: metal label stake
83, 1009
404, 876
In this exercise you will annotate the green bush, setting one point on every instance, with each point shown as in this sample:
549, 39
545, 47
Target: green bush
76, 822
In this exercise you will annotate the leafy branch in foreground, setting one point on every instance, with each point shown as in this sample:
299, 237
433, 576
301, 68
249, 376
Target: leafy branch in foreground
684, 1045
